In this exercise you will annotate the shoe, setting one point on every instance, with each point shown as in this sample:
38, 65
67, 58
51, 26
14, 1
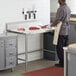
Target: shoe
59, 65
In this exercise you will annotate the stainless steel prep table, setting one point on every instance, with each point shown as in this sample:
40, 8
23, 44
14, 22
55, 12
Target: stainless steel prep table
26, 33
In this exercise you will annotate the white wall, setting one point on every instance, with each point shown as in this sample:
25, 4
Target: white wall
11, 10
53, 5
72, 5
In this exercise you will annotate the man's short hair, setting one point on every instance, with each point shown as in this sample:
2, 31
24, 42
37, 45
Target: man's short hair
63, 0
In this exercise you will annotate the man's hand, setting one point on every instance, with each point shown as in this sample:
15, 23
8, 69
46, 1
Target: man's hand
53, 24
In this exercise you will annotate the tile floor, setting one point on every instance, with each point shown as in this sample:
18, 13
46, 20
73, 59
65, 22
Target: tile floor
33, 65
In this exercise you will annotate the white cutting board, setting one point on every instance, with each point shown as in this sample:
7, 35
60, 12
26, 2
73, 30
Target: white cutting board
56, 33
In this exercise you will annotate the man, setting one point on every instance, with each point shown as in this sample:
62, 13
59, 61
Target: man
63, 14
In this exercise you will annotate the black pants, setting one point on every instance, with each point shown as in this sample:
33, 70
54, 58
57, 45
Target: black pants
62, 41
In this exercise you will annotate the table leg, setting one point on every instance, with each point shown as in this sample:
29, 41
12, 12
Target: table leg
26, 51
65, 63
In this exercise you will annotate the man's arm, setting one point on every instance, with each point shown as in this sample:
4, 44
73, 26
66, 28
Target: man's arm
59, 17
